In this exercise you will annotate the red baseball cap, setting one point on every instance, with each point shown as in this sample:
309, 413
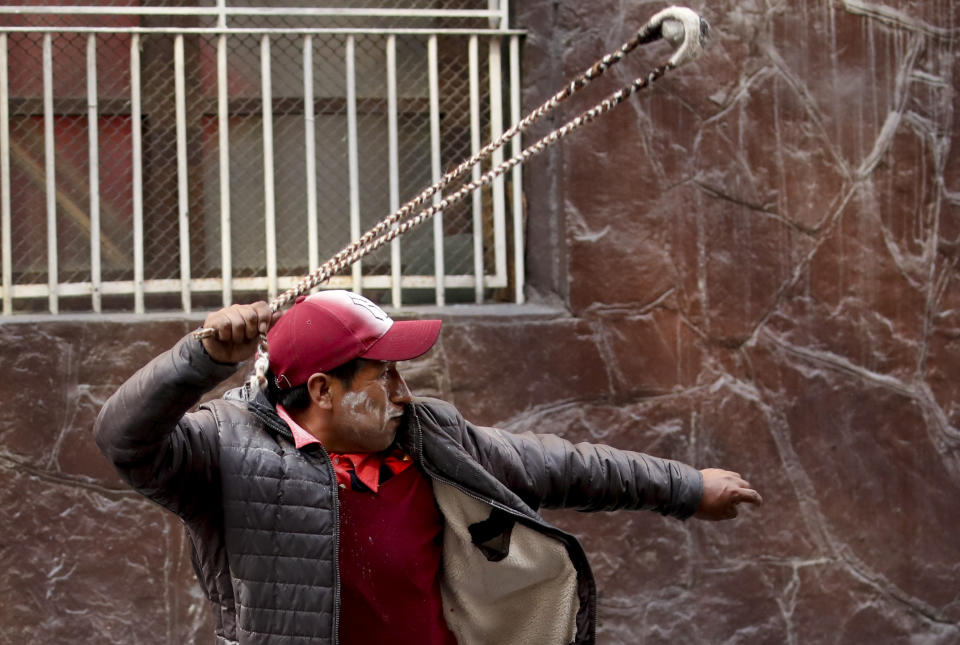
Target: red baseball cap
329, 328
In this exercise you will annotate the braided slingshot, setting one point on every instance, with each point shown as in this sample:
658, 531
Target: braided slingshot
681, 27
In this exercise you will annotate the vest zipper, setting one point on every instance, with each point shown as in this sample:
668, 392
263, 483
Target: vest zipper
336, 546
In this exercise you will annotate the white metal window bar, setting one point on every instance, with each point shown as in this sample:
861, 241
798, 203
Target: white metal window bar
5, 236
183, 196
137, 179
50, 173
223, 140
270, 216
186, 282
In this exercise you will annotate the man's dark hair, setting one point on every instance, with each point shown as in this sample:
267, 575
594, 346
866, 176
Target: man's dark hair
298, 397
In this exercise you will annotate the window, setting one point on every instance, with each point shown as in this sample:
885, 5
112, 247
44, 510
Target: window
232, 150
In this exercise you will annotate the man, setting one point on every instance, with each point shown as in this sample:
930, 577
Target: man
338, 507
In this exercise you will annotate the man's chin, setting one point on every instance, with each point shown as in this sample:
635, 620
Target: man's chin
387, 441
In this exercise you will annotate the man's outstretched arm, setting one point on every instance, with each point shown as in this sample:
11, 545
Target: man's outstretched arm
548, 471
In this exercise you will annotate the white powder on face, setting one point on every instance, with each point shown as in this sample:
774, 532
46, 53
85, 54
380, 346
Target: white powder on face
359, 405
365, 419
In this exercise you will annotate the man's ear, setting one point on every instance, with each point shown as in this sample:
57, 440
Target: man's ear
318, 385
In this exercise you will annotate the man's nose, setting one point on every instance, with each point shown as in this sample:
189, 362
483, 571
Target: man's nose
400, 393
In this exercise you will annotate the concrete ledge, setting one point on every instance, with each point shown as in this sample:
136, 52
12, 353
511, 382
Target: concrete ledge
452, 313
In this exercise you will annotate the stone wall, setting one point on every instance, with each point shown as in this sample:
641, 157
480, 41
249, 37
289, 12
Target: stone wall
752, 265
763, 249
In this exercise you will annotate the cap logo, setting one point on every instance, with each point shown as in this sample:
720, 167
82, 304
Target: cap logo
376, 311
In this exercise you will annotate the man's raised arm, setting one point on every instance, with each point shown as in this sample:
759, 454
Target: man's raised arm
142, 427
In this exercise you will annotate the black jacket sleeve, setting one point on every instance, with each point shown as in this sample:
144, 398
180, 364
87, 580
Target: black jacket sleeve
550, 472
164, 453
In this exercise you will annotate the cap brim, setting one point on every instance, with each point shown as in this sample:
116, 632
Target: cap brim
404, 340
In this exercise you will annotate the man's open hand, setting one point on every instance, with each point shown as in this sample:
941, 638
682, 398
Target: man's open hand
238, 330
722, 491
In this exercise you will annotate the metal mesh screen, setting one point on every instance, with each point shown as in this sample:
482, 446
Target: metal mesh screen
178, 170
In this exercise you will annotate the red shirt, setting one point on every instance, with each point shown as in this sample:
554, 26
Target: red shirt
390, 550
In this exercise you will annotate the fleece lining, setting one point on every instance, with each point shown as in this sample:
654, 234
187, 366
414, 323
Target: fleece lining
529, 596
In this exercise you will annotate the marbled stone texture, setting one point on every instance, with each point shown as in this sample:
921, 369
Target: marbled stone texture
751, 265
765, 246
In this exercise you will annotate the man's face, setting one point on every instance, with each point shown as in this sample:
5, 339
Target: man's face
366, 415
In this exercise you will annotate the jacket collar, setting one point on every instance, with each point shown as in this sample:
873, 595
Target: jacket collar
260, 407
